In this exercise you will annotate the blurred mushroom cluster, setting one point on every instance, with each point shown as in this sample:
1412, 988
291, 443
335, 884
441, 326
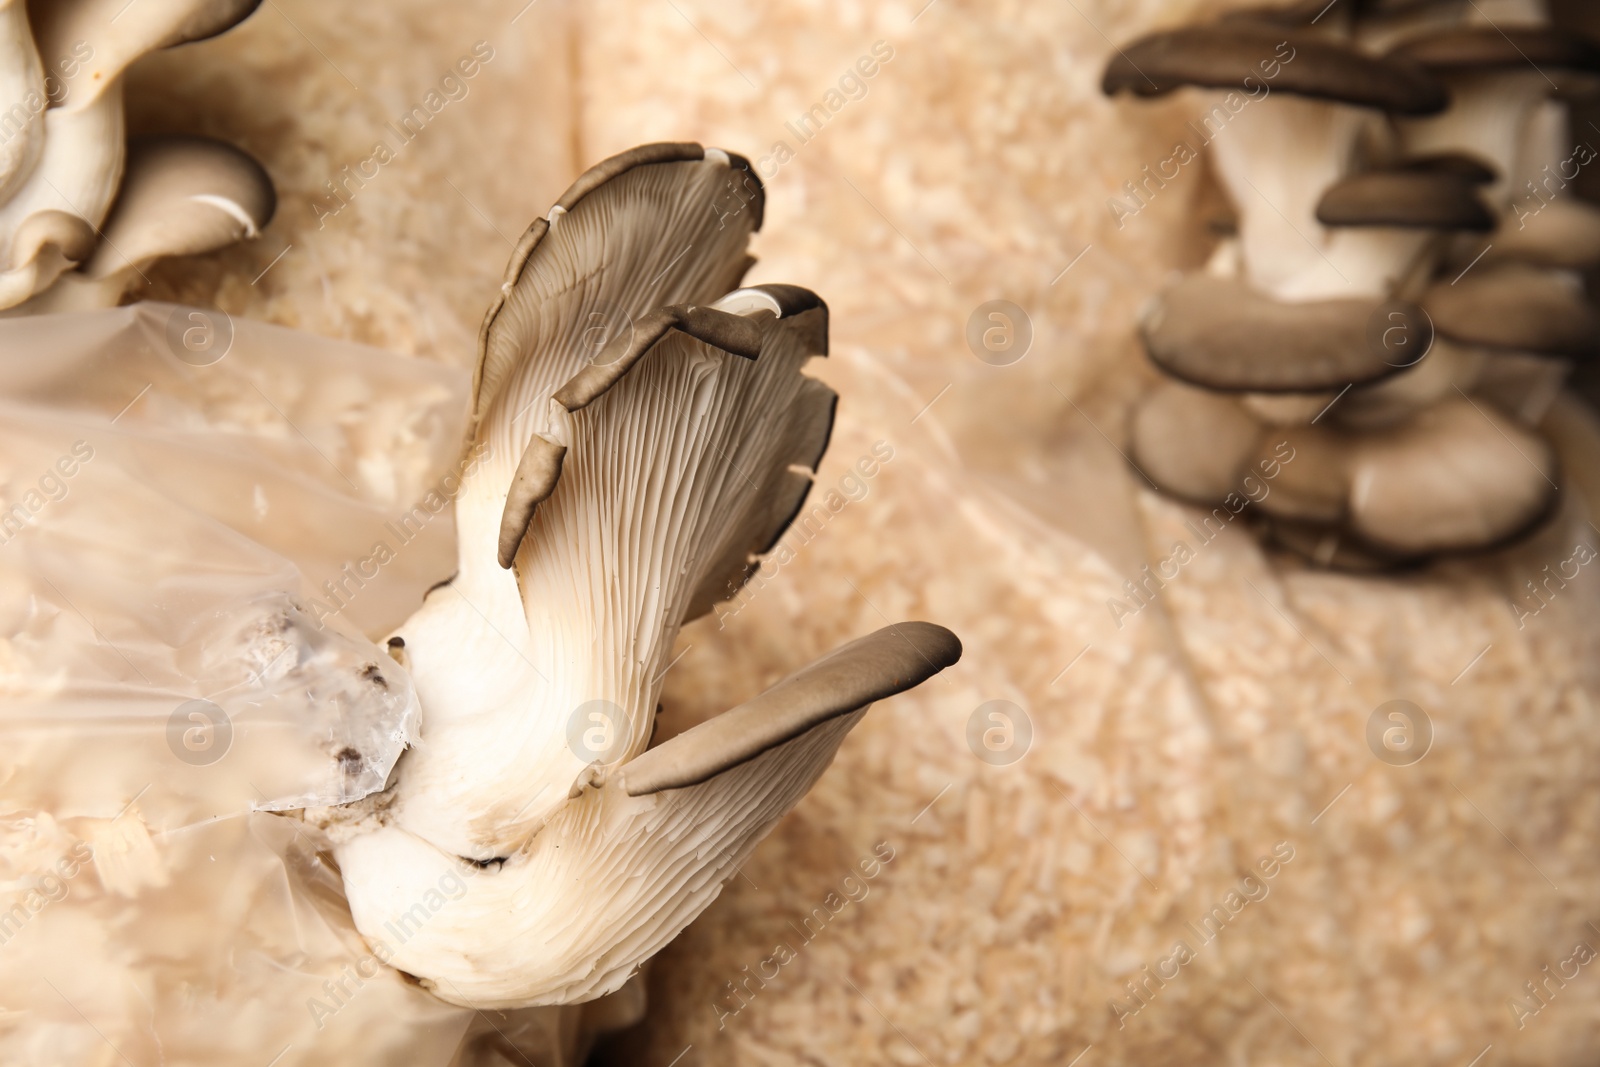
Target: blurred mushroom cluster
1399, 296
82, 209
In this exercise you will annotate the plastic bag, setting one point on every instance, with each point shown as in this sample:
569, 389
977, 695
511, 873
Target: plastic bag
202, 523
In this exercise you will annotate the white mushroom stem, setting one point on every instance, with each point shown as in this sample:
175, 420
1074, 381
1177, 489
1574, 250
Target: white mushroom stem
1275, 160
1362, 261
1488, 114
22, 98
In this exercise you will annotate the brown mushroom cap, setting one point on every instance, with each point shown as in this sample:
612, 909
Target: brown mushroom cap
1458, 477
866, 670
1564, 233
1462, 164
1309, 12
1221, 334
1417, 199
1230, 55
1467, 49
1192, 443
1455, 477
1517, 307
1314, 484
182, 196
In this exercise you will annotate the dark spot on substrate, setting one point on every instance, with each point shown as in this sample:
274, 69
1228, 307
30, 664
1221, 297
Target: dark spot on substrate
349, 759
372, 674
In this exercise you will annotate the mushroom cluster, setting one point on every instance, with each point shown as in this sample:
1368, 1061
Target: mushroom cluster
644, 434
1399, 296
82, 210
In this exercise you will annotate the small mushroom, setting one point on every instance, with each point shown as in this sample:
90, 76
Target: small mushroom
1455, 477
1192, 443
1497, 75
1289, 114
1313, 486
1387, 226
1563, 233
180, 196
1461, 164
1420, 197
1516, 307
1220, 334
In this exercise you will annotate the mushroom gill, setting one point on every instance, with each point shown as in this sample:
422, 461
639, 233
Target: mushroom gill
630, 479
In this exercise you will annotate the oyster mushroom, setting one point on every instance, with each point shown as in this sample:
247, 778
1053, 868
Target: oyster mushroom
1516, 307
1497, 77
1192, 443
1389, 224
1290, 117
1456, 477
628, 486
181, 196
1221, 334
78, 163
1563, 233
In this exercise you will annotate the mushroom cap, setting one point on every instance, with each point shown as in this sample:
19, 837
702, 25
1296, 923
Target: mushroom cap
1460, 476
1444, 368
119, 32
1468, 49
182, 196
1416, 199
1518, 307
1219, 333
1462, 164
1455, 477
1308, 12
631, 185
71, 236
1314, 484
1192, 443
1564, 233
866, 670
1229, 56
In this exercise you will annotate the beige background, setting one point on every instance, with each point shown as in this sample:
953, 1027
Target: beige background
1169, 758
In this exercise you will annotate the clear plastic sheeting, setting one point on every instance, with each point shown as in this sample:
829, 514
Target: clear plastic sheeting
203, 523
